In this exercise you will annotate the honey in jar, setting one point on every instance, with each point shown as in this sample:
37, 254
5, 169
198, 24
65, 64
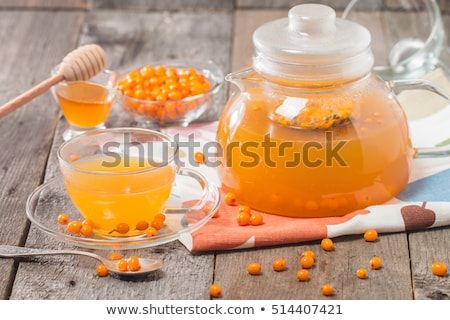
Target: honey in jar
84, 104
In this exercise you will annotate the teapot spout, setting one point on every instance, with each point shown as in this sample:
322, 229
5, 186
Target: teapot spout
240, 78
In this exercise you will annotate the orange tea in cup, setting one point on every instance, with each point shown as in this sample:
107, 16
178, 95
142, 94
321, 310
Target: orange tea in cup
124, 189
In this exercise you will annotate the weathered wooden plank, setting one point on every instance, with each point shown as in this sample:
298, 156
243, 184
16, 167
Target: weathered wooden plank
44, 4
338, 267
148, 5
137, 39
283, 4
31, 46
425, 248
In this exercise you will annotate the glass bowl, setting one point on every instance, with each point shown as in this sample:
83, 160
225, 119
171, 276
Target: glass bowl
190, 190
412, 33
174, 112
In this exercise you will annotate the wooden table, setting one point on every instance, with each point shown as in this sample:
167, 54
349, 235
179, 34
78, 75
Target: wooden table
35, 34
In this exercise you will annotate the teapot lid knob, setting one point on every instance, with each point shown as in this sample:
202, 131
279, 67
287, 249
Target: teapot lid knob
312, 19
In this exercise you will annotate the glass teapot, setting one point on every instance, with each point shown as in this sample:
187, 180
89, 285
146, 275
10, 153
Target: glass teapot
312, 132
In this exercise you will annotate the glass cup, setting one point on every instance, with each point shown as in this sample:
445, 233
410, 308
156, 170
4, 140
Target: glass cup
85, 104
119, 178
412, 33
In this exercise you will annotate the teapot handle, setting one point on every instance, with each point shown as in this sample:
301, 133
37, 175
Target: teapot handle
418, 84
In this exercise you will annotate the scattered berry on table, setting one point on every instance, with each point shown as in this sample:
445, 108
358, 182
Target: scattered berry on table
101, 270
303, 275
279, 264
254, 268
376, 263
327, 290
306, 262
439, 268
215, 290
309, 253
371, 235
361, 273
327, 244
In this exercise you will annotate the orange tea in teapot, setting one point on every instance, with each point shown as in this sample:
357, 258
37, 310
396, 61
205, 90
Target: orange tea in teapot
314, 172
312, 133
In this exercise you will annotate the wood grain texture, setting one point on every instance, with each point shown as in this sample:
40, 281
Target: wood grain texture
425, 248
338, 267
44, 4
31, 46
137, 39
149, 5
285, 4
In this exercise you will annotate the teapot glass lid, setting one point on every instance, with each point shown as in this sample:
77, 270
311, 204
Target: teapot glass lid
311, 42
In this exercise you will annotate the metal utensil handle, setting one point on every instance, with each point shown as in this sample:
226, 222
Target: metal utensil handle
16, 252
418, 84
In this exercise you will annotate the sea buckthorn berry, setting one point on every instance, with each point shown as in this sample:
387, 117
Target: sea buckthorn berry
199, 157
134, 264
279, 264
376, 263
63, 218
215, 290
230, 199
439, 268
86, 230
243, 219
327, 244
361, 273
122, 228
244, 209
160, 217
142, 225
158, 224
74, 227
122, 265
256, 219
307, 262
151, 232
88, 223
371, 235
254, 268
308, 253
101, 270
74, 157
115, 256
303, 275
327, 290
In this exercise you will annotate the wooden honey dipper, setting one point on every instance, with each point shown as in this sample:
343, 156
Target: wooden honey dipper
79, 65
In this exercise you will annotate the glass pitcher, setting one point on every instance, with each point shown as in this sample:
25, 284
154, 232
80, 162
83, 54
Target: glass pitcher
312, 132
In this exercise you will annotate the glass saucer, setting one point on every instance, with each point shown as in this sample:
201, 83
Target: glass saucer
200, 200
